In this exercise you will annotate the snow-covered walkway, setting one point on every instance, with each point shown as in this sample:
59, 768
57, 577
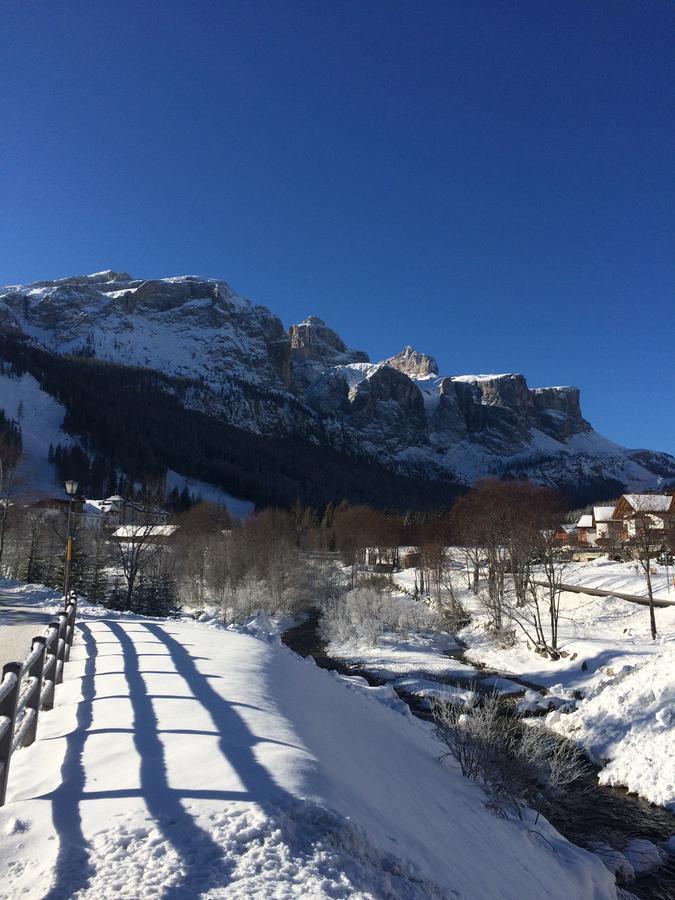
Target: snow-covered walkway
188, 761
21, 619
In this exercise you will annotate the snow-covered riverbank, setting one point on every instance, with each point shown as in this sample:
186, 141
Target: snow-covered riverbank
626, 717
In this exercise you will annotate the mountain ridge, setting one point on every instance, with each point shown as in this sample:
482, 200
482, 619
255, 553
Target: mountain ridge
305, 382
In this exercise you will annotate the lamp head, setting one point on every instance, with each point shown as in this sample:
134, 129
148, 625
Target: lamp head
71, 488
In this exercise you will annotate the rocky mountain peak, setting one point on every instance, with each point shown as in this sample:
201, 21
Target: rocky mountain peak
312, 339
413, 363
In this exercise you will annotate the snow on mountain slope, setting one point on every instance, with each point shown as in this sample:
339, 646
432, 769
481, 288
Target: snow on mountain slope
187, 761
41, 418
306, 382
185, 326
234, 505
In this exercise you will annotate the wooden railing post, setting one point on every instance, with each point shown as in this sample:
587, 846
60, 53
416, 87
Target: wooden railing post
60, 649
52, 645
71, 610
8, 704
36, 671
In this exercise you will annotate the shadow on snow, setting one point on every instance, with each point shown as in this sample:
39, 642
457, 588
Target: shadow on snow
202, 863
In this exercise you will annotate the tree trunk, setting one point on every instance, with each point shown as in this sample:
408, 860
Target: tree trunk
652, 617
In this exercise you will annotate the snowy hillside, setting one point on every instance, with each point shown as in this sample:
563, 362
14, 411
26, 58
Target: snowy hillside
40, 418
242, 366
210, 493
189, 761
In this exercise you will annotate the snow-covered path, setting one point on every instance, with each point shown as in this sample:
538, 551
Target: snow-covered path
20, 622
187, 761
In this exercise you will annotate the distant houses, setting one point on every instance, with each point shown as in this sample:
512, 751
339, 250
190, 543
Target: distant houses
611, 526
115, 511
103, 515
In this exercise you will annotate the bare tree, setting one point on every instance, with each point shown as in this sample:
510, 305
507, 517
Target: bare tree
200, 528
137, 543
537, 614
483, 522
646, 542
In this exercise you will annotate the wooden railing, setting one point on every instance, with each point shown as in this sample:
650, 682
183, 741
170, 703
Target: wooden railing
28, 687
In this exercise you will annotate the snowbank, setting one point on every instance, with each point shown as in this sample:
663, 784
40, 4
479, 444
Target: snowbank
628, 727
183, 760
624, 577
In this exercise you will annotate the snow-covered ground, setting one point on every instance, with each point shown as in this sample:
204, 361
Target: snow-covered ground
184, 760
395, 655
596, 633
626, 720
624, 577
628, 726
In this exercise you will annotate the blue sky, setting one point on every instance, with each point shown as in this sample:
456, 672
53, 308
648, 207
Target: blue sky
492, 182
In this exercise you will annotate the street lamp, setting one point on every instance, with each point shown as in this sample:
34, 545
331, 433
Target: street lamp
71, 490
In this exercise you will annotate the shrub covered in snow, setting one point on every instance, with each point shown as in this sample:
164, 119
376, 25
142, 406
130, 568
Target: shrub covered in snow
511, 762
363, 614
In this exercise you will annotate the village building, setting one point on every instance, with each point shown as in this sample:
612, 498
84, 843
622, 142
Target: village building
566, 535
607, 528
585, 531
148, 534
115, 511
639, 511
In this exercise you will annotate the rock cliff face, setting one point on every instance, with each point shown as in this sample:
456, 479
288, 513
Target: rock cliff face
306, 382
315, 348
413, 364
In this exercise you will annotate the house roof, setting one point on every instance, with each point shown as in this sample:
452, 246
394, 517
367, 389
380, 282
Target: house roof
603, 513
93, 507
585, 521
125, 532
643, 503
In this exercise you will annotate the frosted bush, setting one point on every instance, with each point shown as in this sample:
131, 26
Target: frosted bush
363, 614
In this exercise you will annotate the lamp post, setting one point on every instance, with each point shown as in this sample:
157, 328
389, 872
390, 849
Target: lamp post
71, 490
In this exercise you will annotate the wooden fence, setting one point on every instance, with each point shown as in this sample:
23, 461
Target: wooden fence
28, 687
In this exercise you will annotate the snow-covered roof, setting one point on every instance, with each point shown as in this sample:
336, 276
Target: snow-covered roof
649, 502
93, 507
585, 521
143, 531
603, 513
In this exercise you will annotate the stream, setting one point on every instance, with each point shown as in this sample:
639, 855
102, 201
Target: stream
589, 813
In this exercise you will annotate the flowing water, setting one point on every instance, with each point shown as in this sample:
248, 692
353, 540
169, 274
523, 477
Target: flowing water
588, 814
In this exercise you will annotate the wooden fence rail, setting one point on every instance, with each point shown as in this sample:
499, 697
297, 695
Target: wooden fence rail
27, 688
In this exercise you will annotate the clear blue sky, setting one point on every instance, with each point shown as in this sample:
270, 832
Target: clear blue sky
492, 182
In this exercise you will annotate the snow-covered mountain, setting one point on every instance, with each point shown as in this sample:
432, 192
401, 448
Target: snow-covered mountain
249, 370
